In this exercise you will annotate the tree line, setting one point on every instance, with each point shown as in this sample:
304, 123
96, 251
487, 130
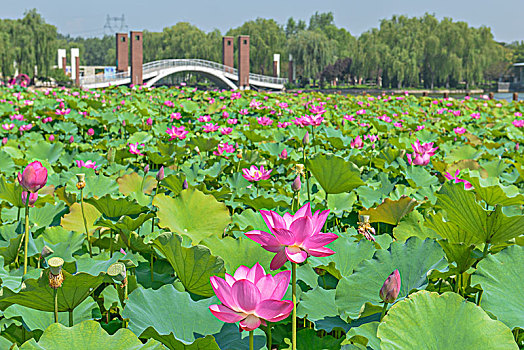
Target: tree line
402, 51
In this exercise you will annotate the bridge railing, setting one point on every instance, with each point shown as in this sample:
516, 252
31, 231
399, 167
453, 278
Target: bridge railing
267, 79
98, 79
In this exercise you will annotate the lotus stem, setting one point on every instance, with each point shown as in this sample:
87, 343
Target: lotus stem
26, 238
294, 292
55, 296
268, 336
71, 318
152, 271
85, 223
384, 309
251, 341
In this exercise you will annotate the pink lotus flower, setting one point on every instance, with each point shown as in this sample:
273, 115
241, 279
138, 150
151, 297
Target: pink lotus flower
256, 174
204, 118
391, 287
176, 116
210, 127
243, 111
459, 131
422, 153
32, 198
519, 123
8, 126
225, 130
283, 154
34, 177
265, 121
87, 164
133, 148
149, 121
91, 132
224, 149
357, 142
251, 297
63, 111
232, 121
467, 184
177, 133
51, 138
294, 237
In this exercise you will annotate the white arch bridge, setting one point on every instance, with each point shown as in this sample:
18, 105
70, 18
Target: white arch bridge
223, 76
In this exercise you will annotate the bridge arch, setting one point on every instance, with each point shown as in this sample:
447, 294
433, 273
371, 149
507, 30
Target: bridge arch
214, 75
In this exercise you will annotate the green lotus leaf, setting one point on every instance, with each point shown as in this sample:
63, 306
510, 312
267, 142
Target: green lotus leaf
63, 242
480, 225
204, 144
458, 253
263, 202
240, 251
173, 183
365, 335
125, 223
133, 185
414, 259
348, 254
36, 293
171, 314
7, 165
317, 303
88, 335
45, 151
412, 225
74, 220
491, 191
428, 320
11, 192
390, 212
334, 174
115, 208
500, 277
250, 220
307, 339
193, 214
193, 266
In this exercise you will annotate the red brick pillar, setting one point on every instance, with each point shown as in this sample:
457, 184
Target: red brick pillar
243, 61
64, 64
77, 71
228, 58
137, 58
122, 52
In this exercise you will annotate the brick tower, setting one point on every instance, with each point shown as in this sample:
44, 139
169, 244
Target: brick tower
137, 58
243, 62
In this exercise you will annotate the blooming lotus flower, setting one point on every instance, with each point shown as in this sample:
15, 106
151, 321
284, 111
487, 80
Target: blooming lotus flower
32, 198
265, 121
225, 130
422, 153
256, 174
519, 123
459, 131
210, 127
176, 116
391, 287
133, 148
357, 142
251, 297
177, 133
224, 149
91, 132
467, 184
232, 121
149, 121
294, 237
34, 177
8, 126
87, 164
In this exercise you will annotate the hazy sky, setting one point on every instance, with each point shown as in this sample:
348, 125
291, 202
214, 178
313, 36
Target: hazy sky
87, 18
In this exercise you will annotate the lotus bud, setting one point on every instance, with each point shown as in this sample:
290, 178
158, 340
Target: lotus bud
296, 185
71, 139
146, 169
185, 185
517, 146
4, 140
34, 177
160, 175
46, 251
81, 181
51, 138
32, 198
283, 155
149, 121
56, 277
390, 288
305, 140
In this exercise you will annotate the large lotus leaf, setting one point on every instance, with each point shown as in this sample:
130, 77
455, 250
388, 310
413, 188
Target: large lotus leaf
36, 319
125, 223
501, 279
204, 144
263, 202
334, 174
483, 226
75, 222
7, 165
493, 193
37, 294
45, 151
88, 335
249, 220
341, 202
414, 259
348, 254
390, 212
317, 304
307, 339
11, 192
98, 185
135, 186
115, 208
431, 321
173, 183
193, 214
417, 176
173, 315
63, 242
240, 251
412, 225
97, 264
193, 266
207, 343
230, 338
44, 216
365, 334
459, 254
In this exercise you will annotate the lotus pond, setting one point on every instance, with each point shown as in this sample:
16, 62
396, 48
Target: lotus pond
186, 219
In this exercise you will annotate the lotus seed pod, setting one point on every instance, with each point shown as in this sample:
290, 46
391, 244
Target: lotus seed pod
46, 251
117, 271
364, 218
160, 175
55, 265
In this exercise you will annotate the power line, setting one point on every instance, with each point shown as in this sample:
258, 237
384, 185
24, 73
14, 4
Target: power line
114, 24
